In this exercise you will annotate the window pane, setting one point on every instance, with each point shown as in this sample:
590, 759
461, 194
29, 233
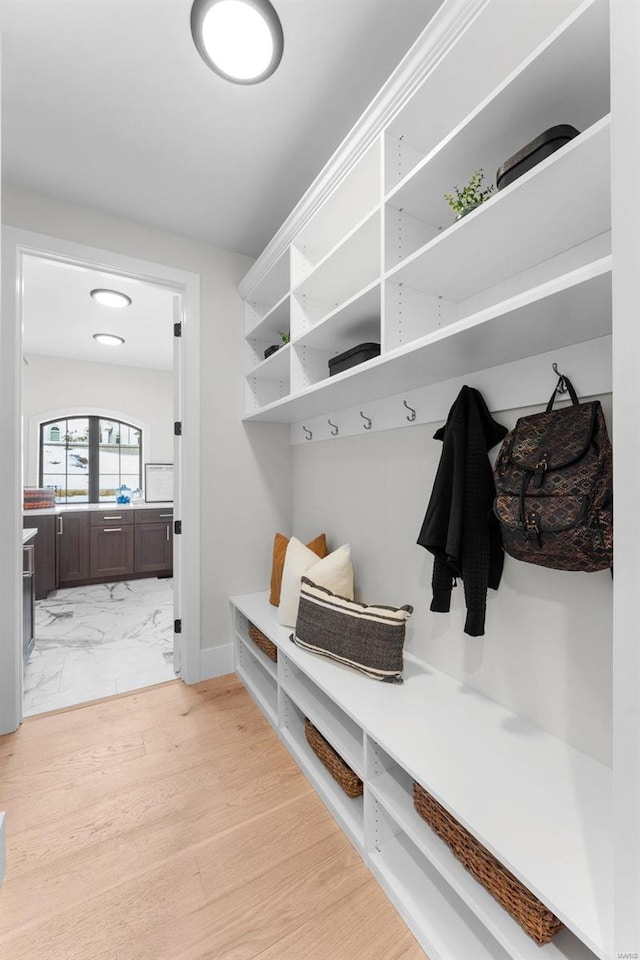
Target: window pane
108, 486
56, 482
130, 461
78, 458
53, 458
131, 480
75, 488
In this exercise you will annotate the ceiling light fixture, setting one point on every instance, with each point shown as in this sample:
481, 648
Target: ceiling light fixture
111, 298
241, 40
108, 339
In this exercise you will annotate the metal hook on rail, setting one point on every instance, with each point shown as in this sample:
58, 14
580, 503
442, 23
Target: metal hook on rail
562, 387
334, 428
309, 434
412, 415
369, 422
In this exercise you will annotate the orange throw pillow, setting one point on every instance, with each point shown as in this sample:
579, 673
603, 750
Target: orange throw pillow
280, 544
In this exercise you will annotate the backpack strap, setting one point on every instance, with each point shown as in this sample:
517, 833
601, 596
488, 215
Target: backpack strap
563, 381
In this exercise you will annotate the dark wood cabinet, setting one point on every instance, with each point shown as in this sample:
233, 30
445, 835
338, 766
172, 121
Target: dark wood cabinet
154, 547
111, 551
72, 536
154, 541
45, 558
96, 546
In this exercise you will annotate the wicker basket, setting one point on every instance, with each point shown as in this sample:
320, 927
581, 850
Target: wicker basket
263, 642
532, 915
341, 773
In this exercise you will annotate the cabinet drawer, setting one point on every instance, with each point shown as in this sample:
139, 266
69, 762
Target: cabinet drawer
155, 515
105, 518
111, 551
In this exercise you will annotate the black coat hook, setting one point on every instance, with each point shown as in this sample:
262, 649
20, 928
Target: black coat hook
412, 415
334, 428
369, 422
309, 434
562, 387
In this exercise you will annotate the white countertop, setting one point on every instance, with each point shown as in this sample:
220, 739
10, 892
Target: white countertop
87, 507
28, 535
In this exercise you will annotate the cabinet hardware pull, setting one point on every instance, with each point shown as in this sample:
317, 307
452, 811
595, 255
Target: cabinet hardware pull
168, 533
163, 515
29, 552
112, 530
60, 526
113, 518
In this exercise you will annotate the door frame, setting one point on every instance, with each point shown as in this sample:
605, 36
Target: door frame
16, 244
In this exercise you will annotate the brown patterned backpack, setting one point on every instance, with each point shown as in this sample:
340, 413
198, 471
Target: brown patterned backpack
554, 487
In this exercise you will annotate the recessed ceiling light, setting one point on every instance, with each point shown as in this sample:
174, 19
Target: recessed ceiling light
111, 298
242, 40
108, 339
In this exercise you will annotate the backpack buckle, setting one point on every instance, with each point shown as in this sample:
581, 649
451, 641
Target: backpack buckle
531, 527
541, 468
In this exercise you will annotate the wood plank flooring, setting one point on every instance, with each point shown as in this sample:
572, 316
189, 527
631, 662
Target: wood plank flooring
171, 824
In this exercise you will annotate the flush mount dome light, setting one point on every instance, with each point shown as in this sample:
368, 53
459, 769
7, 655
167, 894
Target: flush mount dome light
111, 298
241, 40
108, 339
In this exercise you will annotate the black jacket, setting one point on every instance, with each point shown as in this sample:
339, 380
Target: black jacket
459, 527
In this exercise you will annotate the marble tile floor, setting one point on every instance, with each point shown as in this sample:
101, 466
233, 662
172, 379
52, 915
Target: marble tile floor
99, 640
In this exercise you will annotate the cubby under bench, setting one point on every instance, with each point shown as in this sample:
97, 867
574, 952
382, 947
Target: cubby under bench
543, 808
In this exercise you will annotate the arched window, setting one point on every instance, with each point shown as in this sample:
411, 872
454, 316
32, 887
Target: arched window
86, 459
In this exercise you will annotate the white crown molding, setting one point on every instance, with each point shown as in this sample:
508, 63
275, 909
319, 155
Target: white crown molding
442, 31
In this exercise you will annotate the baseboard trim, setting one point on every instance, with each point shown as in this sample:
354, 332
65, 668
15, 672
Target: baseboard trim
216, 661
3, 848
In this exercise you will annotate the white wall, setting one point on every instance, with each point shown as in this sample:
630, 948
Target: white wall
140, 395
547, 650
245, 469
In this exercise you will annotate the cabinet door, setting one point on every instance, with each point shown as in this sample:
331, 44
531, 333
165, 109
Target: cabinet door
111, 551
46, 576
154, 547
73, 548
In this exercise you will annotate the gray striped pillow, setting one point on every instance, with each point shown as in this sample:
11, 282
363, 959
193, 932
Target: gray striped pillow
367, 637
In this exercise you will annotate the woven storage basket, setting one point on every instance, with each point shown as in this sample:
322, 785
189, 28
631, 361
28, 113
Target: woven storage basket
341, 773
263, 642
532, 915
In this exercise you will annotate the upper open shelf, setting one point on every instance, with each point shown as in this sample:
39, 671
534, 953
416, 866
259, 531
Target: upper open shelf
566, 80
559, 204
569, 309
351, 200
446, 96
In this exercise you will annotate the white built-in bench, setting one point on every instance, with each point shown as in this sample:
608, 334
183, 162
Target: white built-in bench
541, 806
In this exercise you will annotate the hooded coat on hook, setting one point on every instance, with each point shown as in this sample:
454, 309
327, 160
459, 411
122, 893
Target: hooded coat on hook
459, 527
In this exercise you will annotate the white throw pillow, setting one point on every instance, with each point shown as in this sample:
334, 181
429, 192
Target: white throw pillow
334, 572
297, 561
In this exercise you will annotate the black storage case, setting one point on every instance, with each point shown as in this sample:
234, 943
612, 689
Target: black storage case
272, 349
534, 152
351, 358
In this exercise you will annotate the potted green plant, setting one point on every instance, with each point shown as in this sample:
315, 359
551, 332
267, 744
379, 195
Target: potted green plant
285, 337
465, 200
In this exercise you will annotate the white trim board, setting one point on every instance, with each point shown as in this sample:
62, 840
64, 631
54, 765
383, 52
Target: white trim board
16, 244
522, 383
446, 26
216, 661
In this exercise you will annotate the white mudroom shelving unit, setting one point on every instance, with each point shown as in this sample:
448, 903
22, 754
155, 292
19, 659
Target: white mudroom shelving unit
547, 264
460, 746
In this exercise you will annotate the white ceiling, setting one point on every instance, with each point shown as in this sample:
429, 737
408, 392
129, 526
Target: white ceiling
106, 103
60, 317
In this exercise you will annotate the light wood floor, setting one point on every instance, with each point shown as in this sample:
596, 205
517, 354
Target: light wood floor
171, 824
